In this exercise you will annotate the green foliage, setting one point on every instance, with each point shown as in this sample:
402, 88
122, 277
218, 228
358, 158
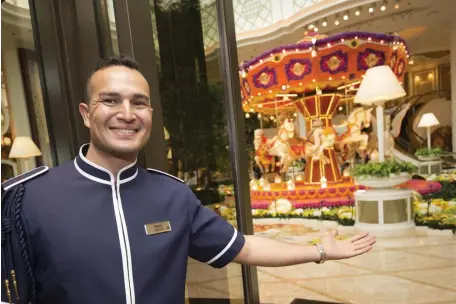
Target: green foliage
383, 169
447, 192
425, 152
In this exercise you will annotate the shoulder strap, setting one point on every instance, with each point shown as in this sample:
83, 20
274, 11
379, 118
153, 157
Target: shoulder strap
164, 173
16, 255
23, 177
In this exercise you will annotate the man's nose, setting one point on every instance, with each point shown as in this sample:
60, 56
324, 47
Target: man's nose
126, 112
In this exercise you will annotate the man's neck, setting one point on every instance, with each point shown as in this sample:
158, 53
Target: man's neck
108, 161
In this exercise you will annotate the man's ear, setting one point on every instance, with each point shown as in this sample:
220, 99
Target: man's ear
85, 113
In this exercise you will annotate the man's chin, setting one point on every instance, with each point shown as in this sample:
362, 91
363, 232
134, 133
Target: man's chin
124, 148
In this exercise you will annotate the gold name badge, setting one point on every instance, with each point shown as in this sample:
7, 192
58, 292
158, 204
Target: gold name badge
155, 228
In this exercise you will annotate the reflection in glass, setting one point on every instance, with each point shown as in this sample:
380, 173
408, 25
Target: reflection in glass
194, 120
21, 86
112, 26
395, 211
368, 212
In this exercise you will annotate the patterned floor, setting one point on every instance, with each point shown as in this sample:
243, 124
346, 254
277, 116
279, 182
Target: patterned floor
418, 270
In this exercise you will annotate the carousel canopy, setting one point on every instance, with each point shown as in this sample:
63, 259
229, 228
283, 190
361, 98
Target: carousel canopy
277, 78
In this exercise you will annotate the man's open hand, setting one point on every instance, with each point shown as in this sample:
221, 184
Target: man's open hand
344, 249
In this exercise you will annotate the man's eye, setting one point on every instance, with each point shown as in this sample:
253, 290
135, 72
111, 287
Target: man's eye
140, 104
109, 101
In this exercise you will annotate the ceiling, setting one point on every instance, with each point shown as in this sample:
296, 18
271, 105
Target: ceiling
424, 24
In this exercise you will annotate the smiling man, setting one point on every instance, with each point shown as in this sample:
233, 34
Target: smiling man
101, 229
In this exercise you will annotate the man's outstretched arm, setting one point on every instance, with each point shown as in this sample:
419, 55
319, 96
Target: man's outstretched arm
261, 251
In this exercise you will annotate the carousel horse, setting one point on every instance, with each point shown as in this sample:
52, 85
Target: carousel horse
286, 145
393, 121
350, 132
264, 160
318, 140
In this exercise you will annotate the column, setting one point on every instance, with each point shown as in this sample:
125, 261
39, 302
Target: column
453, 81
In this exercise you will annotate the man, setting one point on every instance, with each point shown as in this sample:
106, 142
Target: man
100, 229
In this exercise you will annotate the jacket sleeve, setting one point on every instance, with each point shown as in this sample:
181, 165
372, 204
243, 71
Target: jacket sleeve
16, 260
212, 239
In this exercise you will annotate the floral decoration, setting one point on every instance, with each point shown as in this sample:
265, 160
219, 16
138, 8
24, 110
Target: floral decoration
265, 78
334, 63
296, 69
370, 58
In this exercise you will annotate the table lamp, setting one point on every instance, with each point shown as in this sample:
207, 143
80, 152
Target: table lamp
378, 86
427, 121
24, 147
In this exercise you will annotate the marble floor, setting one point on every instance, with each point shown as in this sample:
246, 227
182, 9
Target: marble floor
415, 270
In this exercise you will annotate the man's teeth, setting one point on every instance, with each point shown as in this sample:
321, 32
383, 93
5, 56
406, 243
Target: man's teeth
125, 131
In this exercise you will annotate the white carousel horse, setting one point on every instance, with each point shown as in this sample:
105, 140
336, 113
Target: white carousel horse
392, 130
286, 145
350, 131
319, 139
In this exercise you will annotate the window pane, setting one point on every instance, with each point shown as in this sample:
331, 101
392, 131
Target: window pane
195, 124
23, 106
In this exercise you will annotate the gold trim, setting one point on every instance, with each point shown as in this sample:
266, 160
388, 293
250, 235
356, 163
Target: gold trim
335, 177
322, 168
311, 170
330, 104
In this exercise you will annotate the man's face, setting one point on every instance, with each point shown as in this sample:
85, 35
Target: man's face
119, 115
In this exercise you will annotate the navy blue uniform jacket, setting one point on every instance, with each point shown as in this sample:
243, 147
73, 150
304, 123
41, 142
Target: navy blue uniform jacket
83, 238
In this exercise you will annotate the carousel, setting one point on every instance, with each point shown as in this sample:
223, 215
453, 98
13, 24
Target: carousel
299, 88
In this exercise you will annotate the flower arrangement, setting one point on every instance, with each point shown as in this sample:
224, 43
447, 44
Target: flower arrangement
426, 153
436, 214
384, 169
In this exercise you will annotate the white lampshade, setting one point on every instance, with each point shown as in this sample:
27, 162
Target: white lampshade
24, 147
428, 120
378, 85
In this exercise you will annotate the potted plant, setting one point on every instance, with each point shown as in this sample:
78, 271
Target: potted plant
382, 175
426, 154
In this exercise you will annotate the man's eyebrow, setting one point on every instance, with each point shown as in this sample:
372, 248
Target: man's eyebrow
117, 95
139, 96
109, 94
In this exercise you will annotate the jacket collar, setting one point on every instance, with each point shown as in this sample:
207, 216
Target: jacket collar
99, 174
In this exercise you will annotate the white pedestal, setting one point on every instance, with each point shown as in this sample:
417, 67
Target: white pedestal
385, 212
430, 167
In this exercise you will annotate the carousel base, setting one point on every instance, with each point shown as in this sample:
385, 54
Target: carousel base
303, 195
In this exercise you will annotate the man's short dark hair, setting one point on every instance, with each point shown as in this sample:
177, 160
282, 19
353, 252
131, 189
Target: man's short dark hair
120, 60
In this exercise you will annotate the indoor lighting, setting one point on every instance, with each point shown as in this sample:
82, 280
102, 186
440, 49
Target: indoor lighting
24, 147
371, 9
323, 182
427, 121
383, 7
379, 85
346, 16
336, 22
325, 23
358, 11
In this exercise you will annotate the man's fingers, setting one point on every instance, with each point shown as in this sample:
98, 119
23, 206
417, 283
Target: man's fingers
368, 239
358, 236
362, 250
361, 245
